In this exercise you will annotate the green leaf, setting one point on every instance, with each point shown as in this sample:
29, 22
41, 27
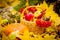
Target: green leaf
12, 36
3, 21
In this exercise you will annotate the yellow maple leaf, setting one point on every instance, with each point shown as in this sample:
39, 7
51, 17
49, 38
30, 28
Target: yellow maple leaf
44, 5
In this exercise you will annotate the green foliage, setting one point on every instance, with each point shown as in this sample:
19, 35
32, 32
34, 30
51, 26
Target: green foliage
33, 2
20, 5
30, 2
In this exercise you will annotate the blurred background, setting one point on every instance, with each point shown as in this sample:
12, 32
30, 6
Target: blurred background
5, 14
21, 3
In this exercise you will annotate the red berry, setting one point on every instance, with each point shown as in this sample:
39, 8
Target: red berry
29, 16
43, 11
41, 14
32, 9
25, 12
49, 23
21, 10
38, 22
43, 23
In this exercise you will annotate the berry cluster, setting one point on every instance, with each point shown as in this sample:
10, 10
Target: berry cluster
30, 16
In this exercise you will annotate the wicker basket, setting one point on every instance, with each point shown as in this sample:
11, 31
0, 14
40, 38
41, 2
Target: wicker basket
31, 24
